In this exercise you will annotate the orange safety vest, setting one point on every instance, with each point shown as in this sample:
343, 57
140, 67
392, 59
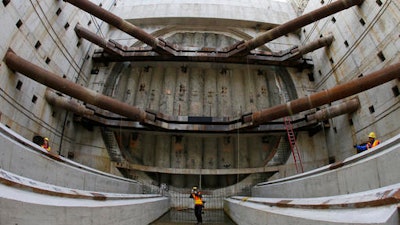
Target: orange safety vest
46, 147
376, 142
197, 199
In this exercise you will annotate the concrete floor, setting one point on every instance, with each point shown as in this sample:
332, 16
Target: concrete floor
186, 216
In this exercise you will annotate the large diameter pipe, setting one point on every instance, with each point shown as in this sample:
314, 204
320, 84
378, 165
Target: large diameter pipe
96, 39
319, 43
336, 110
72, 89
295, 24
117, 22
327, 96
69, 104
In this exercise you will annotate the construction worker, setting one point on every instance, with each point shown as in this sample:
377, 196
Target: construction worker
372, 142
198, 204
46, 144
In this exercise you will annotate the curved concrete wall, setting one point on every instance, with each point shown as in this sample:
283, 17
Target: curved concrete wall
35, 208
365, 171
24, 158
271, 12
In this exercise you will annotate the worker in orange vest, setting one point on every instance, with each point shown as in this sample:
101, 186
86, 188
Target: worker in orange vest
372, 142
46, 144
198, 204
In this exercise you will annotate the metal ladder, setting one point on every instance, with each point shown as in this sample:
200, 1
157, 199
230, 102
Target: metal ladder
112, 145
293, 145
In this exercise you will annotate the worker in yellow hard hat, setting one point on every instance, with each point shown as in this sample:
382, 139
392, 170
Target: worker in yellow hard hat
46, 144
198, 204
372, 142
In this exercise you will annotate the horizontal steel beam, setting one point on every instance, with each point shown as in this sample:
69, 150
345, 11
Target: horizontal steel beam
154, 169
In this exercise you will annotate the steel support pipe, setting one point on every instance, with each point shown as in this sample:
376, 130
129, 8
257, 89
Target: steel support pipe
321, 42
96, 39
336, 110
121, 24
295, 24
68, 104
72, 89
327, 96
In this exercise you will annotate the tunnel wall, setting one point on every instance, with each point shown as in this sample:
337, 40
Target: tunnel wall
24, 158
368, 170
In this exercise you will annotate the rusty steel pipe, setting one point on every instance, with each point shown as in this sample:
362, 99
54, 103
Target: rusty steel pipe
95, 39
336, 110
119, 23
52, 80
295, 24
68, 104
327, 96
319, 43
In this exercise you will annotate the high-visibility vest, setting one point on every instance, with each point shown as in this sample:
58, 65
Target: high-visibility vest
197, 199
376, 142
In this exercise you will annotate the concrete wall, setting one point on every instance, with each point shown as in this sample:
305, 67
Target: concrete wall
370, 169
365, 40
24, 158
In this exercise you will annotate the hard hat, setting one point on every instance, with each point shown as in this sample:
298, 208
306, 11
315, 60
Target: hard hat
372, 135
194, 188
46, 139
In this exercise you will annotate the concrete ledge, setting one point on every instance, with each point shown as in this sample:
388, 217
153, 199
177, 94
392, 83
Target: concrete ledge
374, 198
371, 169
22, 157
377, 206
251, 213
13, 180
19, 206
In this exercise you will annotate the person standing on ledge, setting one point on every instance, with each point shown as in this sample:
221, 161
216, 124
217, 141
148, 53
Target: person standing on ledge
46, 144
198, 204
372, 142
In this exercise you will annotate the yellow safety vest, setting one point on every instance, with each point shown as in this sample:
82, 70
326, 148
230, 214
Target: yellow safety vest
197, 199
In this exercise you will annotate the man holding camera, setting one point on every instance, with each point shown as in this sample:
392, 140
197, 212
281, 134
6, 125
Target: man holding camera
198, 204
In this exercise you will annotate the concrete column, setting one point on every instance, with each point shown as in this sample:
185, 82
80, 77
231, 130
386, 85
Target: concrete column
210, 92
274, 94
250, 91
261, 90
148, 147
199, 39
132, 86
210, 160
162, 155
121, 83
241, 151
224, 98
226, 159
136, 145
196, 93
143, 88
237, 92
156, 91
255, 149
195, 158
178, 159
182, 92
167, 92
